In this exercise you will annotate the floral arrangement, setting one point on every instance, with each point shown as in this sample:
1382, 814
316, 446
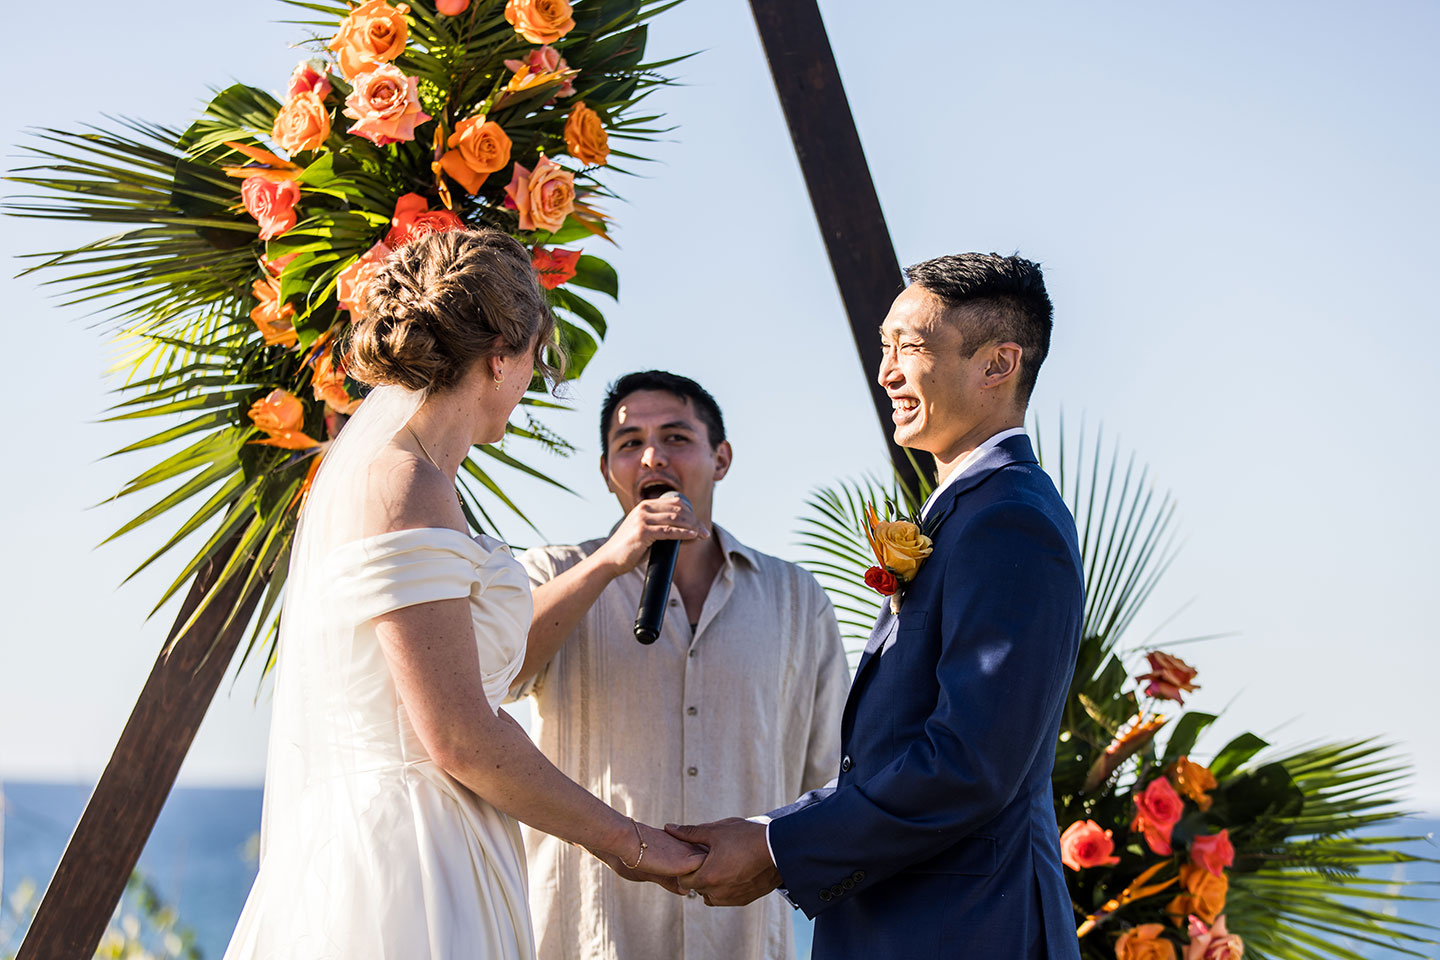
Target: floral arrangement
252, 237
900, 546
1171, 852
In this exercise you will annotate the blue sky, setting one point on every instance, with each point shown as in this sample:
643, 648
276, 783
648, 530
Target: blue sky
1235, 205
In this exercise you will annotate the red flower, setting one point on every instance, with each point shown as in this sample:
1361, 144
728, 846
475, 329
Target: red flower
1169, 677
882, 581
1084, 844
554, 266
1214, 852
413, 219
1157, 810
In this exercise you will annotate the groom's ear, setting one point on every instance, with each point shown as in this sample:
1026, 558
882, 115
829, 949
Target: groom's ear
1002, 364
723, 456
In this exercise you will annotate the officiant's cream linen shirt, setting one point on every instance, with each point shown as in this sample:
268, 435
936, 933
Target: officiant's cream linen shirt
737, 718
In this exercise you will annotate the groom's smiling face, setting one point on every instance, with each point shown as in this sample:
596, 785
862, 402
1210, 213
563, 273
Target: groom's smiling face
932, 386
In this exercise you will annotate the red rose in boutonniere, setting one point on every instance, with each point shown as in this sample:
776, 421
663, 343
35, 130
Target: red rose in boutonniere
900, 547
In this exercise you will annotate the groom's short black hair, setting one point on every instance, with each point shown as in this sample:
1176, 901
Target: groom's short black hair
1007, 299
683, 387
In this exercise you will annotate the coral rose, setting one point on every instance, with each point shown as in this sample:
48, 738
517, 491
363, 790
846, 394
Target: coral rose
385, 105
1213, 943
271, 203
544, 197
901, 547
1213, 852
1169, 677
1157, 810
1144, 943
542, 61
1193, 780
303, 123
452, 8
353, 284
478, 148
414, 219
306, 79
1084, 844
540, 21
882, 581
554, 267
586, 137
1204, 894
373, 33
272, 316
281, 415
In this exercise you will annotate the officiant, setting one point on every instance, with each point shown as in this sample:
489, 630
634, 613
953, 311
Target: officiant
736, 706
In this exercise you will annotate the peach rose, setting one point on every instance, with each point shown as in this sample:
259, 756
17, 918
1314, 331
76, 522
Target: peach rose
544, 197
586, 137
414, 219
272, 316
1204, 895
1169, 677
306, 79
478, 148
554, 267
373, 33
1213, 852
385, 105
271, 203
1193, 780
1213, 943
541, 61
281, 415
1157, 809
540, 21
452, 8
1084, 844
1144, 943
303, 123
353, 285
901, 547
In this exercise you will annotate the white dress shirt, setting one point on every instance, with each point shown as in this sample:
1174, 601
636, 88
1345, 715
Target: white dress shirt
965, 463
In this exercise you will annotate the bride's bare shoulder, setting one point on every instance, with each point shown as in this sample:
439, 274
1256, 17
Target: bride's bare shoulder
404, 491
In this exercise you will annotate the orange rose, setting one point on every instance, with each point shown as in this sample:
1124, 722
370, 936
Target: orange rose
544, 197
540, 21
1157, 809
302, 124
1144, 943
271, 203
478, 148
1084, 844
413, 219
374, 33
1204, 895
452, 8
385, 105
328, 383
586, 137
281, 416
1194, 781
353, 284
1213, 943
1169, 677
1214, 852
272, 316
554, 267
901, 547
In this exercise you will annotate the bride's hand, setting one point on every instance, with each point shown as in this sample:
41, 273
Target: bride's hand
665, 858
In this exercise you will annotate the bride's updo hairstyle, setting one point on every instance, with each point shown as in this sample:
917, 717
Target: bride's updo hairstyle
443, 302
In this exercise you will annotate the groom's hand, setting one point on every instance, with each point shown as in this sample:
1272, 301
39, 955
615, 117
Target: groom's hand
738, 868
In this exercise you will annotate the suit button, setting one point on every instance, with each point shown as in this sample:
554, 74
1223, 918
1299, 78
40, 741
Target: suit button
836, 890
848, 883
858, 876
826, 895
845, 764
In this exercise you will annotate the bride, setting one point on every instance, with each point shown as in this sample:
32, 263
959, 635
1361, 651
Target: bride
393, 784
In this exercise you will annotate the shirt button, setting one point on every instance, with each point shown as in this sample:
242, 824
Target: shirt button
692, 894
693, 771
692, 653
845, 764
674, 602
691, 711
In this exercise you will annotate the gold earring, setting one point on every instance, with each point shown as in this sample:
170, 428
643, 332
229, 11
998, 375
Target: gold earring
499, 379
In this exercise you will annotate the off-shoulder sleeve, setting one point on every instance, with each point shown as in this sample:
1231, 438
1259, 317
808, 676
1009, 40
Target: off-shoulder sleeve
380, 574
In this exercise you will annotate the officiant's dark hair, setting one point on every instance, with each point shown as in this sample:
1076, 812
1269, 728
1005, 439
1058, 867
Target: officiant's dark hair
1006, 299
683, 387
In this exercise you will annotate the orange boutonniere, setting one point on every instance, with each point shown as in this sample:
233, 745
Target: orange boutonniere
900, 547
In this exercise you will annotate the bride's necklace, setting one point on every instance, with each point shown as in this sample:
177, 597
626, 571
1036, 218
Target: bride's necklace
421, 444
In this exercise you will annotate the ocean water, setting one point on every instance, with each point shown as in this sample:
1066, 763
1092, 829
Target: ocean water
201, 857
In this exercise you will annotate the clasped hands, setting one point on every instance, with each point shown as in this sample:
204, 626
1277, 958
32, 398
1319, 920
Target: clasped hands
727, 862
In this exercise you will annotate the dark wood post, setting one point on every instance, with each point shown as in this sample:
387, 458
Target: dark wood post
121, 813
838, 180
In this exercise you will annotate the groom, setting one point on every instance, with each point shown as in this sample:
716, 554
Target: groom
938, 838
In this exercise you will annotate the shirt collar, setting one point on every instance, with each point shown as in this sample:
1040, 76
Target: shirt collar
966, 462
733, 548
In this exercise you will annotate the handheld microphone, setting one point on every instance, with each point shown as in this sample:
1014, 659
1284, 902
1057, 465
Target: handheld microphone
659, 574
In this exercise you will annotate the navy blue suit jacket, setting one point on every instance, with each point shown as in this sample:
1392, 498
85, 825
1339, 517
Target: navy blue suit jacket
939, 838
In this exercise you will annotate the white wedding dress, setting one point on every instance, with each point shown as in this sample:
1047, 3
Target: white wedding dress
369, 851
